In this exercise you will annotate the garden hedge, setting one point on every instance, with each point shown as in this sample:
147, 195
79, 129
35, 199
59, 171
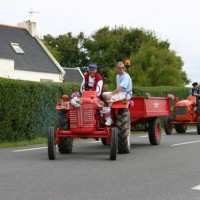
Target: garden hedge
27, 108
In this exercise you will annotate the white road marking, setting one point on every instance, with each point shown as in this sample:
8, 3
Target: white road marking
192, 130
95, 141
185, 143
143, 136
20, 150
196, 187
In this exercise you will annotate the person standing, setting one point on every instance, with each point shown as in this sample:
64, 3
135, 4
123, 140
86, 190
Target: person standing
123, 90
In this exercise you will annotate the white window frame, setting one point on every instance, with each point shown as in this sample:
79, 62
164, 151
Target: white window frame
17, 48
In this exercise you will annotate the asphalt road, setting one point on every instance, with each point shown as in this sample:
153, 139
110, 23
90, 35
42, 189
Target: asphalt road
169, 171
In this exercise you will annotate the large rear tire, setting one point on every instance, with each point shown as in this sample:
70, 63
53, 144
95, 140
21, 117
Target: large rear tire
62, 121
167, 125
51, 144
113, 145
124, 131
105, 141
154, 131
180, 128
198, 125
65, 145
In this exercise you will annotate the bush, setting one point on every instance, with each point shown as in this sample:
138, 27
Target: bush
27, 108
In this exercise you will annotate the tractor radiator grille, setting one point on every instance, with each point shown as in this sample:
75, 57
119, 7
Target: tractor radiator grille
82, 117
181, 110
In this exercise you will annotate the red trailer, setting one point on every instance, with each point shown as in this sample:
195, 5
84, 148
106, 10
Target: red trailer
145, 114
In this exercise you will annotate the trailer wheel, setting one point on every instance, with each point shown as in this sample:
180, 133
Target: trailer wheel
167, 125
124, 131
113, 145
180, 128
198, 125
51, 144
62, 121
154, 131
65, 145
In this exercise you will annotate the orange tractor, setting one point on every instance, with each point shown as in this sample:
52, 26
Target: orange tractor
185, 113
85, 119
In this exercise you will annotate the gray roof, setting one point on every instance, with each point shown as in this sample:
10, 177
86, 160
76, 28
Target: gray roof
35, 57
73, 75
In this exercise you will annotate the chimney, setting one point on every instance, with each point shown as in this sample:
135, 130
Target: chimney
30, 26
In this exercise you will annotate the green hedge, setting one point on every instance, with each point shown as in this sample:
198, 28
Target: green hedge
27, 108
162, 91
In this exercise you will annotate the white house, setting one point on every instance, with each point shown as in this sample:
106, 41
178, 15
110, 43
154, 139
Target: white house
23, 55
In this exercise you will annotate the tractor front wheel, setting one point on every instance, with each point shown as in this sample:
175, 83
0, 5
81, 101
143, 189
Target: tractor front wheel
180, 128
51, 144
154, 131
113, 145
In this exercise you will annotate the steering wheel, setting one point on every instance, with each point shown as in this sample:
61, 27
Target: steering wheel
90, 89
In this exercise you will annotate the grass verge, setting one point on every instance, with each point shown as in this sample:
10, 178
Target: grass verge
23, 143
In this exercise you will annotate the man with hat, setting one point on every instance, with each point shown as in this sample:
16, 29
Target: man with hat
93, 80
195, 92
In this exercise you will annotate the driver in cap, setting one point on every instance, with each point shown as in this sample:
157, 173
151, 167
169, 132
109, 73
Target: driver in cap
93, 80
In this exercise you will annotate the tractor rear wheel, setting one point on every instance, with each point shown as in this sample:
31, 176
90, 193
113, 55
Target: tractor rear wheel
51, 144
65, 145
198, 125
124, 131
105, 141
167, 125
154, 131
62, 121
180, 128
113, 145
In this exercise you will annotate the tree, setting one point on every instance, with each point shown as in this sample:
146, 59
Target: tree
155, 66
67, 49
152, 61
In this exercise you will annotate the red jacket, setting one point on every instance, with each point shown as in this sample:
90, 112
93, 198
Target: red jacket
98, 78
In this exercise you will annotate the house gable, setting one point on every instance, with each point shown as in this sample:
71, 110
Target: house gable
34, 58
73, 75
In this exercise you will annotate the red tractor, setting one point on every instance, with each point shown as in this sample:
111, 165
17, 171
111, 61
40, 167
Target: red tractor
88, 121
185, 113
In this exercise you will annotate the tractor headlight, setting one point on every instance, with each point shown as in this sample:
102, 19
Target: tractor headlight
63, 104
100, 104
195, 108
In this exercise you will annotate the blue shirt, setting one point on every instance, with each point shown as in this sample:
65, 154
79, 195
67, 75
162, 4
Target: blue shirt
125, 81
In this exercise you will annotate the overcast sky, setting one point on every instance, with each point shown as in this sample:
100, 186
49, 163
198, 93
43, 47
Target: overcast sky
172, 20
